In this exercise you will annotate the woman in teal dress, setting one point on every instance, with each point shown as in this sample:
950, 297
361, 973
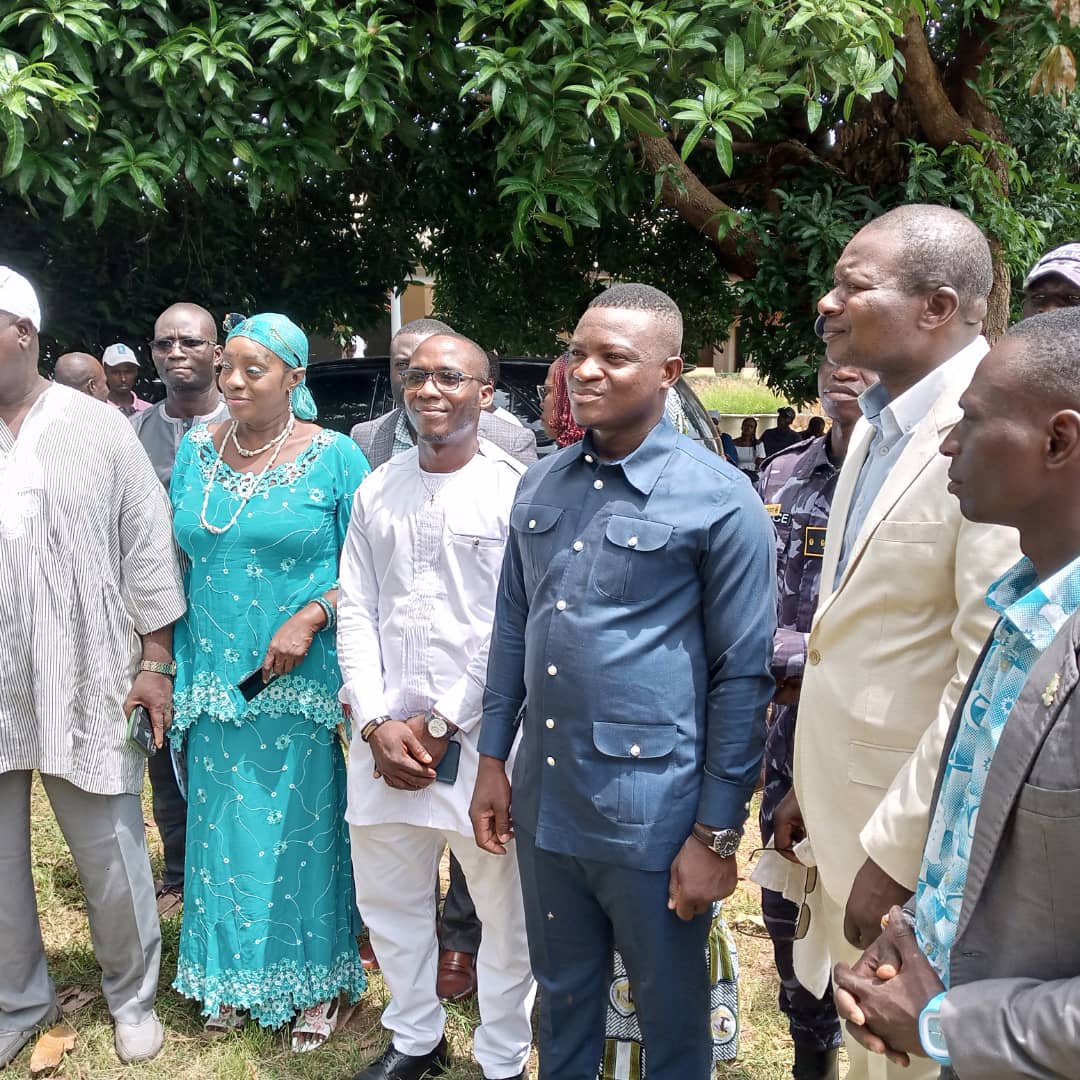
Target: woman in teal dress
261, 504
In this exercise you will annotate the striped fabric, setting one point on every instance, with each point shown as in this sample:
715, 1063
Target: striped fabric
87, 563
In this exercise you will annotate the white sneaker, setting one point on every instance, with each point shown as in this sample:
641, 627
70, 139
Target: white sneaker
139, 1042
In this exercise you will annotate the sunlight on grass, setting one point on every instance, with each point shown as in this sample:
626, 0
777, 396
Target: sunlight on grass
254, 1054
734, 395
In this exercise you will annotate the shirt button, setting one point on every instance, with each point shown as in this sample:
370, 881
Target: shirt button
552, 669
883, 451
598, 484
549, 723
814, 656
589, 458
551, 761
635, 750
532, 523
632, 542
578, 545
560, 605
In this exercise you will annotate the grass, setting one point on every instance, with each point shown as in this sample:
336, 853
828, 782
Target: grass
765, 1052
735, 395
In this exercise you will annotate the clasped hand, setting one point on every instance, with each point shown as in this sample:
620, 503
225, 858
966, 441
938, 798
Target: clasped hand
882, 996
405, 754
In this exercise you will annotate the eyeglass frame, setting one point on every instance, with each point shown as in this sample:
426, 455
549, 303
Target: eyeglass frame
163, 346
405, 373
802, 922
542, 391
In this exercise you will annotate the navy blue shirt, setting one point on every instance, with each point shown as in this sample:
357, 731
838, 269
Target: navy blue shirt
635, 622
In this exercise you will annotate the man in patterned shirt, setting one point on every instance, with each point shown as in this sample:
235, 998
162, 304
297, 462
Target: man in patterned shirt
980, 971
797, 487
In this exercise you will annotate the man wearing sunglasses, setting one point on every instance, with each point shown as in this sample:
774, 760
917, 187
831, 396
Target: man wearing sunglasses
419, 574
184, 349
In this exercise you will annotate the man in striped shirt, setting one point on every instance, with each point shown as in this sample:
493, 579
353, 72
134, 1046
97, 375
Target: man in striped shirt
89, 590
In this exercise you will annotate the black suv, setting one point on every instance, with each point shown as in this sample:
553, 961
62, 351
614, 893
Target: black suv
349, 392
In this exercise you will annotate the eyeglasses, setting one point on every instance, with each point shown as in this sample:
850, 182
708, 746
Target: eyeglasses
448, 379
802, 923
163, 346
543, 391
1053, 299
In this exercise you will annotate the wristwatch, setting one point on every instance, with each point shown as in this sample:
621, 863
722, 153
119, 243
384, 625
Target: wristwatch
160, 667
368, 729
930, 1034
438, 727
722, 842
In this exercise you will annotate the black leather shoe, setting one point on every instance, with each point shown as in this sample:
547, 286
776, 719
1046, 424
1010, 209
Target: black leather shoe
394, 1065
815, 1064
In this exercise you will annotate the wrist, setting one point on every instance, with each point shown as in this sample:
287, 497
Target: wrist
722, 842
372, 726
931, 1035
312, 615
159, 666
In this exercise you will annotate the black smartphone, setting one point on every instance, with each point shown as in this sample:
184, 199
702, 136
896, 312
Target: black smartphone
447, 769
251, 686
141, 731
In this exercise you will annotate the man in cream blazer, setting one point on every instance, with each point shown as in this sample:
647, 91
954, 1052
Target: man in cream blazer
902, 615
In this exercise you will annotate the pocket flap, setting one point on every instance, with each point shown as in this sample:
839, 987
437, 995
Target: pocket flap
634, 740
637, 533
526, 518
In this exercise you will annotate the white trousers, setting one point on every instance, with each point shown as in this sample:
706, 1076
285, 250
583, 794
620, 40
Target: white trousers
396, 869
107, 838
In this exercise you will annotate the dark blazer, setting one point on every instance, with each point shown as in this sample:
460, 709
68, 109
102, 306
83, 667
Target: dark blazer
1013, 1007
376, 437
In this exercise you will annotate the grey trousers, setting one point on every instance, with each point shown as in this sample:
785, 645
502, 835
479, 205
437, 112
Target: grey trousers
107, 839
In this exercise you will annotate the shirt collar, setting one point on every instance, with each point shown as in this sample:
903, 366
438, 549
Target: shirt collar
1037, 609
904, 413
642, 467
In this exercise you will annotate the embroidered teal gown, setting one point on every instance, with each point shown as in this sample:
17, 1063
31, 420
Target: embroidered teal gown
269, 919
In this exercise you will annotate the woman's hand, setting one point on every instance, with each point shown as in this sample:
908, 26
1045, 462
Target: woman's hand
291, 642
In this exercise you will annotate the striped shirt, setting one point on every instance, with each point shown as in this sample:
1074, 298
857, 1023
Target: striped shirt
87, 563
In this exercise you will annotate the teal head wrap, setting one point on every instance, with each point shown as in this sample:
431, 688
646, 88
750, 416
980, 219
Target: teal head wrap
287, 341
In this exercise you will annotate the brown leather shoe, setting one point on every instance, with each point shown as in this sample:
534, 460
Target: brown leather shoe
170, 901
368, 958
457, 975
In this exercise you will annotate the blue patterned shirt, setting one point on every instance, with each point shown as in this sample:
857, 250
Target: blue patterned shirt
1031, 614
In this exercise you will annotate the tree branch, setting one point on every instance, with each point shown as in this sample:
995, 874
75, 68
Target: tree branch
938, 118
695, 204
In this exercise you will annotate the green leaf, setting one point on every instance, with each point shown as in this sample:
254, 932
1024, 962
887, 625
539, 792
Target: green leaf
813, 113
578, 9
693, 139
734, 58
498, 95
16, 141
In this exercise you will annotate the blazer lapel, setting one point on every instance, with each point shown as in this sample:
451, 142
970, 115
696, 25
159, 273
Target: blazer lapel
1021, 740
382, 444
841, 504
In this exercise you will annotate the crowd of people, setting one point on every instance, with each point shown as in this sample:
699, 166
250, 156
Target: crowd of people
341, 656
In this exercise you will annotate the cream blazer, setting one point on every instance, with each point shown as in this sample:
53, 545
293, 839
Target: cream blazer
890, 649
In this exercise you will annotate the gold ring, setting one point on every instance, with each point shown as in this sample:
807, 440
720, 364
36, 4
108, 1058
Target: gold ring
884, 920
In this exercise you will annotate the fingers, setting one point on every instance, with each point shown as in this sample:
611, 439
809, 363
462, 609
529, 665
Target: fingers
415, 749
157, 725
847, 1008
485, 832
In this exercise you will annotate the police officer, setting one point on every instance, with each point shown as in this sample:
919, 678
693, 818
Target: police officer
797, 487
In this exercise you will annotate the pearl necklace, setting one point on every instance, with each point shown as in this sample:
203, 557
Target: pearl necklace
285, 432
248, 486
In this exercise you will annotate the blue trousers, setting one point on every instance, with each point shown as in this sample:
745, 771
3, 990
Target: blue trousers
576, 911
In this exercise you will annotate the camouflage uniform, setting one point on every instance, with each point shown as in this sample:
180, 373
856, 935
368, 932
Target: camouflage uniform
797, 486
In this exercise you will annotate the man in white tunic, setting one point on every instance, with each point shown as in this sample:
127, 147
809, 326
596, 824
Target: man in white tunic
89, 590
419, 574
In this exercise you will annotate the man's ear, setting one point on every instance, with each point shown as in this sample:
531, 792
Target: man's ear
487, 394
940, 307
218, 350
672, 369
1063, 443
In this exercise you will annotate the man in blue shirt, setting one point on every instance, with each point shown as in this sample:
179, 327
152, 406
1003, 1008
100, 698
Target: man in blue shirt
634, 623
981, 972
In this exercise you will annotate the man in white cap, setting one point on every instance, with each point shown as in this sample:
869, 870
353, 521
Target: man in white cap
1054, 281
121, 371
89, 590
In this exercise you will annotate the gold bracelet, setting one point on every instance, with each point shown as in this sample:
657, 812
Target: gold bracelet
159, 667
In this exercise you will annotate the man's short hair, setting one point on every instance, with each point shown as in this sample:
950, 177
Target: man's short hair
426, 327
480, 352
205, 317
1049, 359
634, 296
786, 410
940, 246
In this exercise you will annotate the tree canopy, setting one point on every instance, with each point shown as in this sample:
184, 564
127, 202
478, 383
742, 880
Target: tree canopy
306, 154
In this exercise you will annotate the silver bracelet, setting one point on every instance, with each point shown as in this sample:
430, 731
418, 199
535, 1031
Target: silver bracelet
328, 610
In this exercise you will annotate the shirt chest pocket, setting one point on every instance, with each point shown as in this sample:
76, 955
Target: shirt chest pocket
631, 559
534, 529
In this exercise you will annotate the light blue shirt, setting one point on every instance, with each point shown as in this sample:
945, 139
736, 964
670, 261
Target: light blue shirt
894, 422
1031, 614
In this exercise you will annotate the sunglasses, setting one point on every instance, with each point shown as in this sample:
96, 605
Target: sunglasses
163, 346
802, 923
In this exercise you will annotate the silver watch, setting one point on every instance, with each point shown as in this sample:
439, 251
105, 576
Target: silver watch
438, 727
723, 842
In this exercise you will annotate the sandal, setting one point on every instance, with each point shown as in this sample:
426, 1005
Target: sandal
314, 1026
226, 1019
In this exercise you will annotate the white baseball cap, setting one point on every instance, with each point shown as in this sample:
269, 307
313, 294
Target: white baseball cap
1064, 260
17, 297
119, 354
